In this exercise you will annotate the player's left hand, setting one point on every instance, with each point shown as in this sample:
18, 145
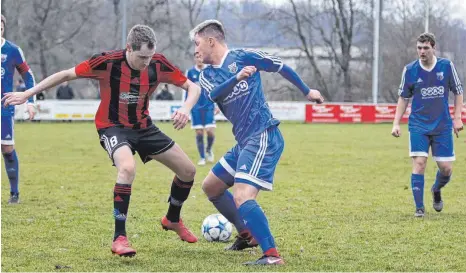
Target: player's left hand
31, 111
14, 98
180, 118
216, 111
457, 126
314, 95
246, 72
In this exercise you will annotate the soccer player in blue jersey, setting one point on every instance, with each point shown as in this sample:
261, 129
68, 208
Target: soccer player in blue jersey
13, 59
428, 81
202, 115
231, 80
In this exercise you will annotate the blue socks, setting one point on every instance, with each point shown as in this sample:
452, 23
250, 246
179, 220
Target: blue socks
200, 145
210, 142
417, 186
257, 223
440, 181
226, 206
12, 170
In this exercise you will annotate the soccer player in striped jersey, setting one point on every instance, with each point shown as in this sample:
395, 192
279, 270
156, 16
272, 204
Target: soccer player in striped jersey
127, 79
428, 81
232, 81
13, 59
202, 115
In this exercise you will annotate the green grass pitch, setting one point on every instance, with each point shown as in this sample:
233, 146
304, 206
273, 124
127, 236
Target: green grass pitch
341, 202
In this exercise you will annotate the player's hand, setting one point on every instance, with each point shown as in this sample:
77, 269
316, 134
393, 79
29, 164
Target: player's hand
31, 111
396, 131
180, 118
246, 72
14, 98
314, 95
216, 111
457, 126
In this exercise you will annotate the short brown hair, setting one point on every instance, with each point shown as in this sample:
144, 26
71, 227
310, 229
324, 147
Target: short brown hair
209, 28
427, 38
141, 34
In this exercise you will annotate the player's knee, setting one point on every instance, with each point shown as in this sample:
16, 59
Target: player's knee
207, 188
126, 173
419, 166
446, 170
210, 189
187, 173
7, 149
240, 197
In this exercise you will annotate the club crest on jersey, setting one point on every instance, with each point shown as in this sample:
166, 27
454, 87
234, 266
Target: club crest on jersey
4, 58
440, 76
233, 67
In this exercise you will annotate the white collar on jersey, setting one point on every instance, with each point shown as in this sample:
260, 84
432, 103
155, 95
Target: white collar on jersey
433, 65
223, 60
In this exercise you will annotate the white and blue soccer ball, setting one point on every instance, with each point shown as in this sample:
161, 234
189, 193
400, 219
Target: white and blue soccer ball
216, 228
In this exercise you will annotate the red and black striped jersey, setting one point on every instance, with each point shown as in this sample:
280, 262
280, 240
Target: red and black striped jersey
124, 91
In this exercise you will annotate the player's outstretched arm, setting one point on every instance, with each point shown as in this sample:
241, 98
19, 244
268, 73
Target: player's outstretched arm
15, 98
181, 116
400, 110
293, 77
457, 121
193, 93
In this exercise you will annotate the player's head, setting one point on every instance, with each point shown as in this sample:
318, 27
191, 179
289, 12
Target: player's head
426, 47
140, 46
3, 24
198, 59
207, 36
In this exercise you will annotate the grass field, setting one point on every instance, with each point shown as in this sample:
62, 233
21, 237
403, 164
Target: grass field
341, 202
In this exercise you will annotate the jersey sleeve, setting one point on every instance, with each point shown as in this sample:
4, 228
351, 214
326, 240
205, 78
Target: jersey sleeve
24, 69
405, 90
454, 83
92, 67
206, 85
170, 73
263, 61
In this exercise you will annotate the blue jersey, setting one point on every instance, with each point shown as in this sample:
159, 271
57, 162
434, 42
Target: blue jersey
13, 58
430, 89
244, 105
204, 103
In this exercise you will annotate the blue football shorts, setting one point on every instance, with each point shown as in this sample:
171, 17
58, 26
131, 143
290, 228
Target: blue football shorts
203, 118
253, 164
442, 145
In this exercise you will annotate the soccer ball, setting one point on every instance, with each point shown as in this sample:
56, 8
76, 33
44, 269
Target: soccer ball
216, 228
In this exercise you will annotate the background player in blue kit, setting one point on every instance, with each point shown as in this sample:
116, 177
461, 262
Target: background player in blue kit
429, 81
13, 58
202, 115
230, 80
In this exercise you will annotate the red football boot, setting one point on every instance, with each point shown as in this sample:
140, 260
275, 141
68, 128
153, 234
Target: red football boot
182, 231
122, 247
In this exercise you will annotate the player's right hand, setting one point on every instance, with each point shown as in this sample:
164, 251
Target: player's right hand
180, 118
246, 72
14, 98
314, 95
396, 131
